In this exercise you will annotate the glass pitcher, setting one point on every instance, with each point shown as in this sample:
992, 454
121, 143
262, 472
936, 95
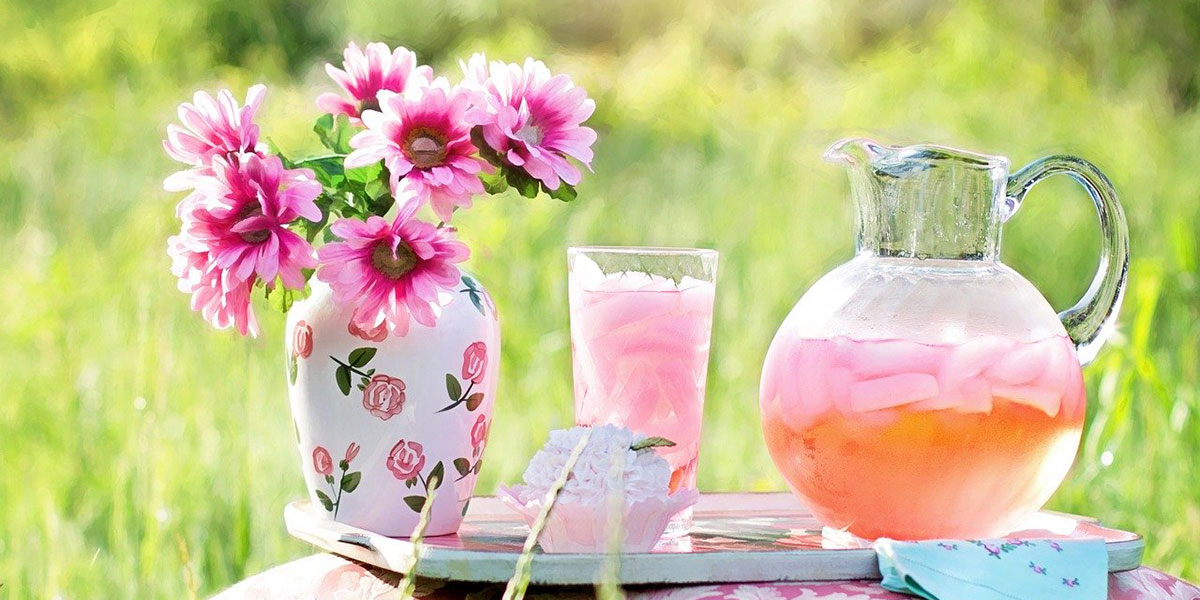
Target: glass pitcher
924, 389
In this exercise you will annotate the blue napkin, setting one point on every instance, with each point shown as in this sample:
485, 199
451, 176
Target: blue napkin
1000, 569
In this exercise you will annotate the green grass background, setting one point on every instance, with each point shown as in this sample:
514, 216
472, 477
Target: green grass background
144, 455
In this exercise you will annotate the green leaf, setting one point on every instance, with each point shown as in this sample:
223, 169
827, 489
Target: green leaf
436, 475
470, 282
292, 368
463, 466
343, 379
416, 503
453, 387
329, 479
365, 174
465, 505
652, 442
324, 130
565, 192
279, 297
522, 182
474, 400
477, 301
343, 465
325, 500
377, 189
350, 481
343, 134
361, 356
329, 170
478, 465
495, 182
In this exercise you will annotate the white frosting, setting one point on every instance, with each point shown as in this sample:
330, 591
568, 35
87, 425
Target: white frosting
646, 474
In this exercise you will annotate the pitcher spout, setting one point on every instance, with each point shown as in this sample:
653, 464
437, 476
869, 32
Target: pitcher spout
855, 151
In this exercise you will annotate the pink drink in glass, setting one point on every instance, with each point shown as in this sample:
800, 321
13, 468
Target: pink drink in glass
909, 440
640, 356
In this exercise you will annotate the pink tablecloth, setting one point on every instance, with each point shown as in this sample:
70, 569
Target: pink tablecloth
331, 577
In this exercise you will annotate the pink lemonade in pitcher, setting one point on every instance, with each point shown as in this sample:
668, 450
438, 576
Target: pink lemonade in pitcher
641, 320
924, 389
957, 435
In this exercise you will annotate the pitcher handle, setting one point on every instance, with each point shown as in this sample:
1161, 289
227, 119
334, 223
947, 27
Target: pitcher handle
1090, 321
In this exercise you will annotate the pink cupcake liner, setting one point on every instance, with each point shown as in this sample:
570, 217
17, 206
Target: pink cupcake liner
576, 528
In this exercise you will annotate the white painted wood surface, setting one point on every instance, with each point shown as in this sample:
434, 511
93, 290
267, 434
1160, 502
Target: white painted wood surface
488, 548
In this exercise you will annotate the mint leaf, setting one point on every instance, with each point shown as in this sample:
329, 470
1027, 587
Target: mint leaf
652, 442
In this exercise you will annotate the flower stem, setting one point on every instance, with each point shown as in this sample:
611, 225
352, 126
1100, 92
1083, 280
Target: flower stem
461, 399
313, 159
338, 504
352, 368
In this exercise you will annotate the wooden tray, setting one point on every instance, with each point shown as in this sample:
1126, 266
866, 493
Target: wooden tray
736, 538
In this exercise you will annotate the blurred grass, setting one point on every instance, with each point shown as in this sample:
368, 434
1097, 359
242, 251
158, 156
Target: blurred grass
145, 455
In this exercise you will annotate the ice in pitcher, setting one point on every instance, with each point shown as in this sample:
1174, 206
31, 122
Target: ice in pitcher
1002, 414
640, 357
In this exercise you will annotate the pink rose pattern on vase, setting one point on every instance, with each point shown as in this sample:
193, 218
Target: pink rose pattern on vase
474, 361
473, 369
302, 347
322, 462
346, 483
383, 396
468, 470
479, 435
377, 333
302, 340
405, 461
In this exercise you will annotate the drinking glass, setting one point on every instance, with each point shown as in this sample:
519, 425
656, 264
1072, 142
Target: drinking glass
641, 321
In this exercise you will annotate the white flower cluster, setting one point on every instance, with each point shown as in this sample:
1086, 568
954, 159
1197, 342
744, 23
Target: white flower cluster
593, 480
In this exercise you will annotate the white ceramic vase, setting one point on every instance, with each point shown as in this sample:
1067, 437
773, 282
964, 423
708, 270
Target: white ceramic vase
381, 419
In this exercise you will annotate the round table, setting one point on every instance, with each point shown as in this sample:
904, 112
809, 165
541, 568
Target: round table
331, 577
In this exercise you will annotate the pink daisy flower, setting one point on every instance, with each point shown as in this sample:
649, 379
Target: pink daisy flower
422, 137
366, 74
531, 118
220, 305
212, 128
240, 220
391, 272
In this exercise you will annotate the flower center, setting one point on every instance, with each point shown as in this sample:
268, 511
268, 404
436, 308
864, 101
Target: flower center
256, 236
425, 147
371, 103
393, 265
530, 134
